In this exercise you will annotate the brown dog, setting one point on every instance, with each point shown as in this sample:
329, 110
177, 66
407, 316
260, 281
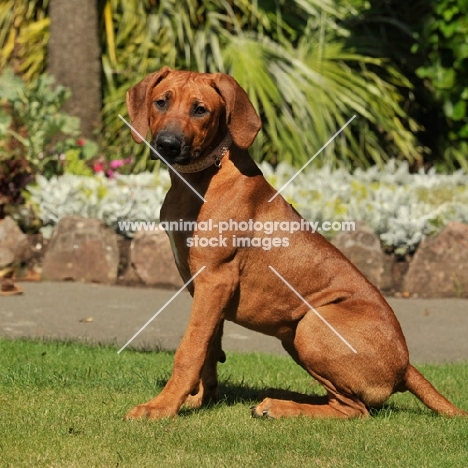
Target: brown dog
329, 318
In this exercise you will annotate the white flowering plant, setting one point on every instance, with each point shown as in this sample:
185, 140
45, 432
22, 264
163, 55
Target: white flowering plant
400, 206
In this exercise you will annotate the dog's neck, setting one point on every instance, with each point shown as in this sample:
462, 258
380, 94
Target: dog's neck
213, 158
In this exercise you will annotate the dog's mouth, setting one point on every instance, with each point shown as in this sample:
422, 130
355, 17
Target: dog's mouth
182, 159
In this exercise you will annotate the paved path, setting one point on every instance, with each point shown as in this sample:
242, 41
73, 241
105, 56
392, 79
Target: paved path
436, 329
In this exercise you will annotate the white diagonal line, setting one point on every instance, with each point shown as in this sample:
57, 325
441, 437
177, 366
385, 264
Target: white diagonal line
312, 158
313, 310
162, 159
161, 309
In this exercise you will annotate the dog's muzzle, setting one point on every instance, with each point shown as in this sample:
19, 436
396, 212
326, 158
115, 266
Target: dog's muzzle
171, 147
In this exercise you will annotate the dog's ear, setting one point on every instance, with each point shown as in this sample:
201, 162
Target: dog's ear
242, 119
137, 102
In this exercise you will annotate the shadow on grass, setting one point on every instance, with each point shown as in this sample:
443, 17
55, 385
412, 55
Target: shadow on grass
231, 394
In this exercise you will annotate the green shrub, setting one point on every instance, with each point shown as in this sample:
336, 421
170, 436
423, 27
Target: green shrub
30, 114
292, 57
444, 43
36, 137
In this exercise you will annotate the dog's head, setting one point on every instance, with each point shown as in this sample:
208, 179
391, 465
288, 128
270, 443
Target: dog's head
189, 113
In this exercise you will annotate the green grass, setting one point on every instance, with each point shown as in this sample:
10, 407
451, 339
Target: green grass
62, 405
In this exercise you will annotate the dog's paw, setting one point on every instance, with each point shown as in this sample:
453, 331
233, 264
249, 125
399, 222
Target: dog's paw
200, 399
194, 401
149, 411
263, 409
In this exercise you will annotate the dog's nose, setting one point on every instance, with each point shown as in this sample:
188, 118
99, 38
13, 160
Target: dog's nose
168, 144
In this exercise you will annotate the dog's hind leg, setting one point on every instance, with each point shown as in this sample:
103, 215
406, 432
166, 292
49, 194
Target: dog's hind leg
331, 408
207, 388
306, 351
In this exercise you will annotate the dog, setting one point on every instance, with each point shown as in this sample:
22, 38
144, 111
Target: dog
330, 319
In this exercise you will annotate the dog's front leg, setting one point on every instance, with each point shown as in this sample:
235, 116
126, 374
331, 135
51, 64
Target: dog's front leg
210, 300
207, 389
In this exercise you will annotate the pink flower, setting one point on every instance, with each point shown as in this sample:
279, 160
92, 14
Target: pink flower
116, 163
80, 142
110, 168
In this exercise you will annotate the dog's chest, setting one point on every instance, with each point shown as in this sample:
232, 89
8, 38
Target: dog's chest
177, 232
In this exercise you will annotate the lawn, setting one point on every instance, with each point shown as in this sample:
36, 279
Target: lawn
62, 405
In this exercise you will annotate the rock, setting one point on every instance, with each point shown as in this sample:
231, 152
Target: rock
13, 243
7, 257
362, 247
440, 265
152, 259
82, 249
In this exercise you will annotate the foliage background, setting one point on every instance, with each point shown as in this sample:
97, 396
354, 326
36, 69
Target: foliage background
308, 66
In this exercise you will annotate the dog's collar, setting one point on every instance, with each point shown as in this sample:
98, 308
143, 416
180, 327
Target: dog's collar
213, 158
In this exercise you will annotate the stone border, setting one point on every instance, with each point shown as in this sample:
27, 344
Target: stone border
86, 250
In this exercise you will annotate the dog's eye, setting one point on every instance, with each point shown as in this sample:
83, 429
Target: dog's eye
200, 110
160, 104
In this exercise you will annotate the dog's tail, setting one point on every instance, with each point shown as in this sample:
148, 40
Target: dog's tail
417, 384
